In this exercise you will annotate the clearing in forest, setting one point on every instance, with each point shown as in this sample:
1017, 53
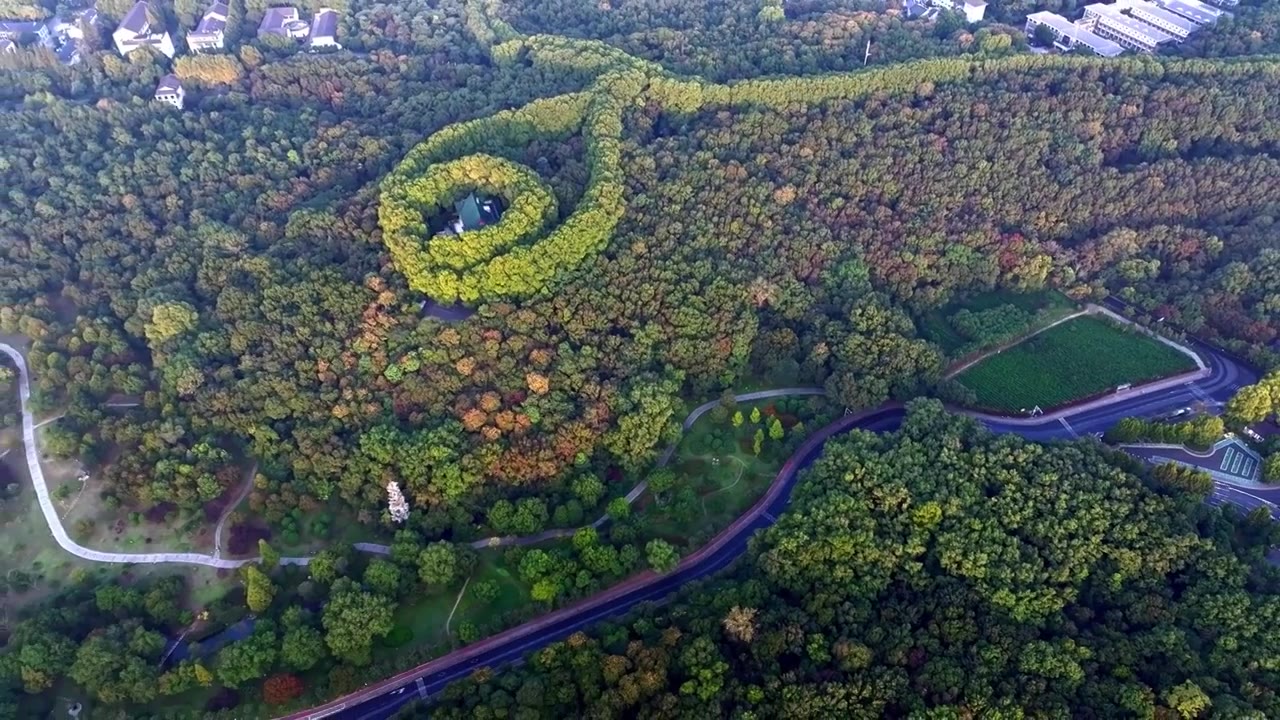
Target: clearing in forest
1080, 358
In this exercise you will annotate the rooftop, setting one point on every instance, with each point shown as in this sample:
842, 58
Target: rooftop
214, 19
67, 52
325, 23
169, 84
475, 213
18, 27
1069, 30
1161, 14
277, 18
1193, 10
1115, 17
138, 18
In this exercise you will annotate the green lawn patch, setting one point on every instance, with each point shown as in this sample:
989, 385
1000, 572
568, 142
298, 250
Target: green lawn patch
1077, 359
718, 474
425, 616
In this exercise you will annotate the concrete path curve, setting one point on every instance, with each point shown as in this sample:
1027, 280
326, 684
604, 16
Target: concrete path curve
51, 513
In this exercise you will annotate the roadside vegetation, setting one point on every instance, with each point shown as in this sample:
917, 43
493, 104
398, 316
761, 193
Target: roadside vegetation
1078, 359
1199, 433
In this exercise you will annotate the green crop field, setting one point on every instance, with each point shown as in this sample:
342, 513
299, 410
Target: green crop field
1074, 360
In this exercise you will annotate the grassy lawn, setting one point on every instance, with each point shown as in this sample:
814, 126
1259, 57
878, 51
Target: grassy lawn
719, 475
1074, 360
33, 564
425, 617
937, 326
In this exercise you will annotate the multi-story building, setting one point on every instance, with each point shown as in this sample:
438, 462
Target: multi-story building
209, 33
1110, 23
1152, 14
170, 91
140, 28
283, 22
974, 10
1068, 35
15, 30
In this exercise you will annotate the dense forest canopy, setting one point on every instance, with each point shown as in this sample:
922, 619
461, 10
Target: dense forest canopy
942, 572
781, 237
700, 197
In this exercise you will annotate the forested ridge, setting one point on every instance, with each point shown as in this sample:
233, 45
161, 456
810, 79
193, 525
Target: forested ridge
942, 571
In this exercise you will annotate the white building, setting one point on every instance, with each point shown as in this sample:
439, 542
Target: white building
1110, 23
324, 30
974, 10
1152, 14
209, 33
1068, 35
170, 91
283, 22
140, 28
8, 47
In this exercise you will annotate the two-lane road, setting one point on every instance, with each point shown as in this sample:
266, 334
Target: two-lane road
385, 698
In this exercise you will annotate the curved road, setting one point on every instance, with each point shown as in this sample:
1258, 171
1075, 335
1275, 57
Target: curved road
1223, 375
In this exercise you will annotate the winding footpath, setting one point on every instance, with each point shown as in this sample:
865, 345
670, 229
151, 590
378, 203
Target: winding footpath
216, 560
50, 512
1219, 376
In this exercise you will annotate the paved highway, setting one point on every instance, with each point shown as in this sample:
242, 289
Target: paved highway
1224, 375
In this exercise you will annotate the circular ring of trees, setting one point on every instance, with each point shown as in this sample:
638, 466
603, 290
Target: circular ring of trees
530, 207
517, 257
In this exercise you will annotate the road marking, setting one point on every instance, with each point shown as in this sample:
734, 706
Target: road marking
771, 518
1067, 425
422, 689
1195, 390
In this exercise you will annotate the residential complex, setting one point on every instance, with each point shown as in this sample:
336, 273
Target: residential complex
1109, 22
1068, 35
140, 28
209, 33
1136, 25
64, 38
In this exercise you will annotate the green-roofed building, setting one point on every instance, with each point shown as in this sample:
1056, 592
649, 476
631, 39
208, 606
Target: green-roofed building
476, 212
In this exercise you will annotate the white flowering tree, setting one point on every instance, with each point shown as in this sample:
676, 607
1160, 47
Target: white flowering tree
396, 504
